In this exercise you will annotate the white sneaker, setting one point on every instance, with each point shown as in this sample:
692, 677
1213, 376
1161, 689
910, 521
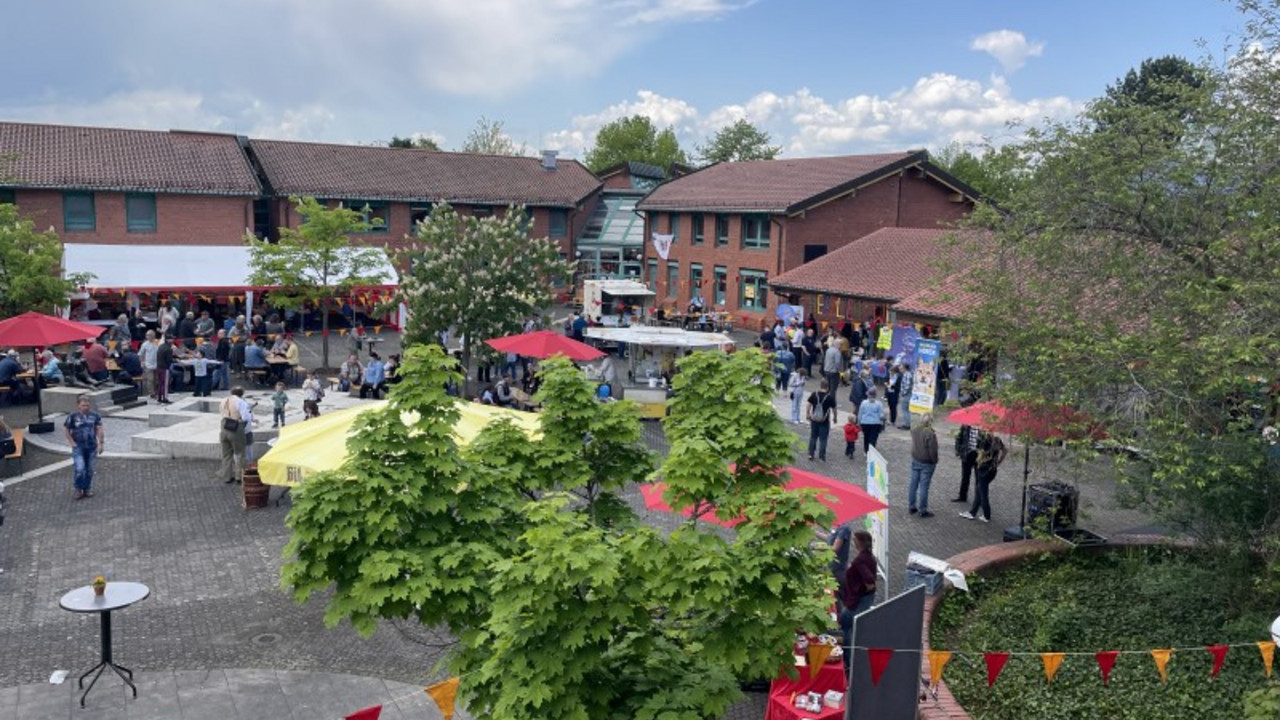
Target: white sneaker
984, 519
966, 515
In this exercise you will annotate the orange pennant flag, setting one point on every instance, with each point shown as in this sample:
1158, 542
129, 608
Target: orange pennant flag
1052, 661
342, 331
1162, 660
938, 660
818, 654
310, 333
1268, 650
444, 693
377, 329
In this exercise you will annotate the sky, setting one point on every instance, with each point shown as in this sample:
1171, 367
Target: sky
822, 77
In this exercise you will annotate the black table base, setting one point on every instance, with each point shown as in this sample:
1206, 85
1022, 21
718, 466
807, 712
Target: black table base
125, 673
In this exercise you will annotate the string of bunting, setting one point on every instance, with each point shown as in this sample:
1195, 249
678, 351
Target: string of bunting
443, 693
995, 661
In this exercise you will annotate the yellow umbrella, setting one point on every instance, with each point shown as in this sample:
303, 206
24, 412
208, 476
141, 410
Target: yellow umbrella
320, 443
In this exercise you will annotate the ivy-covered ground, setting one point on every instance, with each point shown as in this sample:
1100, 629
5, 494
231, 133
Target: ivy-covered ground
1132, 599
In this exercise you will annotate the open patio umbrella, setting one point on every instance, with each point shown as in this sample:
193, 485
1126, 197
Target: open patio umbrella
35, 330
1041, 424
543, 344
846, 500
319, 444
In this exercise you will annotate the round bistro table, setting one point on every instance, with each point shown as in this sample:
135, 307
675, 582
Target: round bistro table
116, 596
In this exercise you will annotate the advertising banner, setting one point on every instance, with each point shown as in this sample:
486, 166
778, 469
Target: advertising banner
877, 523
904, 342
925, 378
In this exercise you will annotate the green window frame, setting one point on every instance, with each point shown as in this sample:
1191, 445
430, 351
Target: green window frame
695, 280
722, 230
720, 283
558, 223
140, 212
652, 270
699, 233
753, 288
78, 213
371, 210
673, 279
755, 231
8, 196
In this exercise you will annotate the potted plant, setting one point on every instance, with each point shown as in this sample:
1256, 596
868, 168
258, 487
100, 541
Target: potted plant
99, 586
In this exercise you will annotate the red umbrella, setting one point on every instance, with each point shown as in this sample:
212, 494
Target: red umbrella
848, 501
35, 329
544, 344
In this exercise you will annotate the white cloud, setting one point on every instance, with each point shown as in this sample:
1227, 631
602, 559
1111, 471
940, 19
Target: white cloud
1009, 47
654, 11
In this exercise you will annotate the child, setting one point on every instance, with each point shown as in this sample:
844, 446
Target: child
312, 392
278, 401
851, 432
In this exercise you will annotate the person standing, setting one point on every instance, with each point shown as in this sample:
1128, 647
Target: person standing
967, 451
796, 386
236, 418
147, 354
859, 590
200, 373
279, 399
891, 390
991, 452
905, 384
164, 359
841, 541
851, 433
822, 407
832, 362
85, 436
312, 393
924, 460
871, 418
222, 353
373, 377
784, 362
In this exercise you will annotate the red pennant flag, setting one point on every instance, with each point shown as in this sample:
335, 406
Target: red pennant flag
1107, 661
1219, 653
369, 713
995, 663
879, 658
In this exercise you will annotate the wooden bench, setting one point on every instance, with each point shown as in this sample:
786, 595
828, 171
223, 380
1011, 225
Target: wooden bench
18, 437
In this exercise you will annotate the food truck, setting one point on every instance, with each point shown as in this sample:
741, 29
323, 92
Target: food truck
614, 303
651, 355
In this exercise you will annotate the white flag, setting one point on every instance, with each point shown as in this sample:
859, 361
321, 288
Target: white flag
662, 243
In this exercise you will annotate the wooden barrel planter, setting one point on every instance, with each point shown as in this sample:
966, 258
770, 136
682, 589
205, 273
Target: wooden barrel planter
255, 493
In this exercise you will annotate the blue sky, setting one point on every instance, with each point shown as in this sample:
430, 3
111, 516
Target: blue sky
822, 77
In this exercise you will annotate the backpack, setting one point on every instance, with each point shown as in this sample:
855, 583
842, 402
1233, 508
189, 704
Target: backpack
818, 413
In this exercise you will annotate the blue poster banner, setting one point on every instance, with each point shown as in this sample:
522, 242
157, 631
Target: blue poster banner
904, 342
925, 378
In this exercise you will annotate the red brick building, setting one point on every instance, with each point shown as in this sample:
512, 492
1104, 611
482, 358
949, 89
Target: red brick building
737, 225
398, 186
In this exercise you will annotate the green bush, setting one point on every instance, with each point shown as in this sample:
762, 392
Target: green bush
1133, 599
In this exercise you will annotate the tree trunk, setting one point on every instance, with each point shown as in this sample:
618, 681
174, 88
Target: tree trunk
324, 332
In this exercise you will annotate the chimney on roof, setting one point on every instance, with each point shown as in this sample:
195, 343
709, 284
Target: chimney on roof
549, 159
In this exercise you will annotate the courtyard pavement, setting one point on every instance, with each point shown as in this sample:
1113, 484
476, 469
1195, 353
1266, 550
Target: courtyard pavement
218, 628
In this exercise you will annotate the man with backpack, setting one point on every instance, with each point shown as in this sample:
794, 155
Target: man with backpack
822, 408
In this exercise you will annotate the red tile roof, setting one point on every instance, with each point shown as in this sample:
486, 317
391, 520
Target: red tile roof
379, 173
774, 185
889, 264
948, 299
89, 158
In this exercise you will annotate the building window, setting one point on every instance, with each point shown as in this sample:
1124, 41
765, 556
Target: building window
417, 214
77, 212
813, 252
752, 288
140, 213
722, 229
755, 231
8, 197
558, 223
481, 211
695, 280
673, 279
721, 284
376, 214
673, 224
653, 274
699, 232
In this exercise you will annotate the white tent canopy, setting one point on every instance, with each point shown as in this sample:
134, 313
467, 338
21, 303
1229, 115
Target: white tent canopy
170, 267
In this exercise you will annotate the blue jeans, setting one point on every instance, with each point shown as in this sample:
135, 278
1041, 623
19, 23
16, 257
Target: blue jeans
85, 458
921, 477
797, 401
222, 376
818, 437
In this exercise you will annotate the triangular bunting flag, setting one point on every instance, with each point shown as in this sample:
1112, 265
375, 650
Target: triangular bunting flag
995, 663
1268, 650
818, 654
1219, 653
369, 713
1107, 661
444, 693
879, 658
1052, 661
377, 329
938, 660
342, 332
1162, 659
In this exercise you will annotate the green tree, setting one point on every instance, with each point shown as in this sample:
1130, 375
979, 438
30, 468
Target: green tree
316, 261
737, 142
488, 138
1136, 277
477, 277
634, 139
993, 171
421, 142
560, 609
31, 275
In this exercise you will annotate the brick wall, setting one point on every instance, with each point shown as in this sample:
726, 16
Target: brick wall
180, 219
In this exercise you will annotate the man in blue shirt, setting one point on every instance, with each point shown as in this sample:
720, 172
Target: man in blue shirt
84, 435
9, 367
255, 355
373, 377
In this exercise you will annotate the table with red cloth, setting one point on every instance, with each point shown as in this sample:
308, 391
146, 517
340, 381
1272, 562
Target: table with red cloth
781, 707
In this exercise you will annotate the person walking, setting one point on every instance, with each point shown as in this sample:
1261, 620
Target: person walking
851, 433
991, 452
967, 451
85, 436
871, 418
312, 393
822, 408
236, 418
796, 386
924, 460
